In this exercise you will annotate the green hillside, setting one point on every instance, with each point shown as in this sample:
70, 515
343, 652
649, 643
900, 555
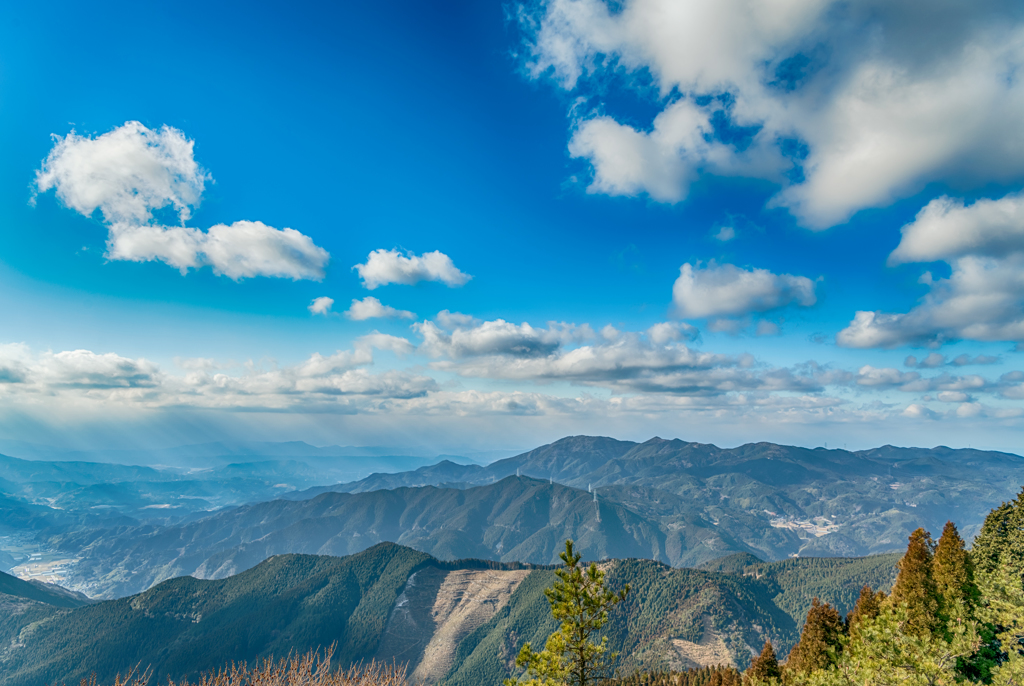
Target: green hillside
515, 519
296, 602
42, 593
186, 625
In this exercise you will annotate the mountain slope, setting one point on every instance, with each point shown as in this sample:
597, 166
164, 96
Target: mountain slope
39, 592
187, 625
468, 618
515, 519
769, 499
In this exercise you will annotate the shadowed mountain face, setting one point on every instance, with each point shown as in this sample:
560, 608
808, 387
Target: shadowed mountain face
515, 519
56, 596
457, 624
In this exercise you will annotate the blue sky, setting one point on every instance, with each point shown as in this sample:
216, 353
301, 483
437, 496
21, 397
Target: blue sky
571, 159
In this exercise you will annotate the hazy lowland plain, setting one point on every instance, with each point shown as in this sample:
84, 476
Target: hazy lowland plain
441, 563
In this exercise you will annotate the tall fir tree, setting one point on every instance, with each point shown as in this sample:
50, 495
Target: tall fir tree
915, 586
1000, 542
953, 571
764, 668
820, 641
869, 604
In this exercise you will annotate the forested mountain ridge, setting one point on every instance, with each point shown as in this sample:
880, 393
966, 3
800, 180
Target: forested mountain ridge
294, 602
775, 500
515, 519
672, 501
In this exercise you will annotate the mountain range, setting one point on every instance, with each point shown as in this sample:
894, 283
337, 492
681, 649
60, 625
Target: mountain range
454, 623
670, 501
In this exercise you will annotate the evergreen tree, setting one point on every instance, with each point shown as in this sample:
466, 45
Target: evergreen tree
994, 537
869, 604
581, 602
820, 641
953, 571
998, 555
764, 668
915, 585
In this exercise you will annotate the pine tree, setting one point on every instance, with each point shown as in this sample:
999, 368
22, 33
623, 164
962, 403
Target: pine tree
820, 641
581, 602
915, 586
953, 570
763, 668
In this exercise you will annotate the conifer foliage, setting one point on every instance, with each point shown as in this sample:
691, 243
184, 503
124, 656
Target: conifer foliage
764, 669
820, 641
953, 571
868, 606
915, 587
580, 601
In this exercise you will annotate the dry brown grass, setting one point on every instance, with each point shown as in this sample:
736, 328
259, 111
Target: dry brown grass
311, 669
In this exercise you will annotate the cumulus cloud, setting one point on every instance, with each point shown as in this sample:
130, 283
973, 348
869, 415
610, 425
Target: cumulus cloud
383, 341
390, 266
727, 290
881, 98
946, 229
981, 300
371, 308
654, 361
126, 173
132, 172
912, 382
666, 332
497, 337
331, 381
934, 360
321, 305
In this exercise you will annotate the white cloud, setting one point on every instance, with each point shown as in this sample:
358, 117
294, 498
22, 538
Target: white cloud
371, 308
981, 300
456, 320
132, 172
725, 234
321, 305
383, 341
623, 361
126, 173
886, 97
934, 360
338, 381
946, 229
930, 362
390, 266
666, 332
726, 290
497, 337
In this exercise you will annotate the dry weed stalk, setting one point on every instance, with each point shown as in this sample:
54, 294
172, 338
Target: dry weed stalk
311, 669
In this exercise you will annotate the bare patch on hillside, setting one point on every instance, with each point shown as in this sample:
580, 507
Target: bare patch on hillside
711, 650
436, 611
